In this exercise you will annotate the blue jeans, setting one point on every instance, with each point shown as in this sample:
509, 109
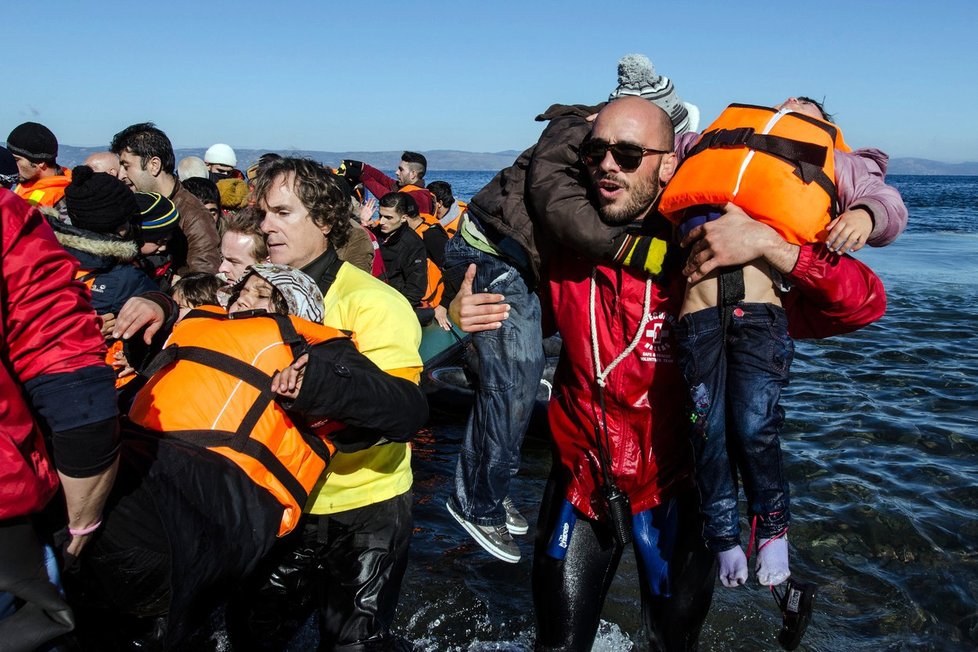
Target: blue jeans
511, 364
735, 383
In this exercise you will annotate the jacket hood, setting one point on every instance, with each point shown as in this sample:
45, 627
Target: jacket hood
107, 248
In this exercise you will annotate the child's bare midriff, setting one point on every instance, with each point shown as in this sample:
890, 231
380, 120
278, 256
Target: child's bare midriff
758, 288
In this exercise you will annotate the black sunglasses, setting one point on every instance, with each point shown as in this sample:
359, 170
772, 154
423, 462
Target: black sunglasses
626, 155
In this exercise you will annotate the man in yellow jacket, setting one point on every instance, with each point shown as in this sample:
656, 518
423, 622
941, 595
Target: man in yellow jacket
351, 550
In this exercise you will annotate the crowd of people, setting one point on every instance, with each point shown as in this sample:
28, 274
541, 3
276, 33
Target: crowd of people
211, 376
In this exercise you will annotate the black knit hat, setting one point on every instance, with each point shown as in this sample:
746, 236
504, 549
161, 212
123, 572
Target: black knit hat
33, 141
98, 201
158, 218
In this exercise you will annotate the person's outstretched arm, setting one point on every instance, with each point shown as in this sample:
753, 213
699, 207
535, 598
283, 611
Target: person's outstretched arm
339, 383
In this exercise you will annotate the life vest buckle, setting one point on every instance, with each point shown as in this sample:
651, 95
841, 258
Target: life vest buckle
731, 137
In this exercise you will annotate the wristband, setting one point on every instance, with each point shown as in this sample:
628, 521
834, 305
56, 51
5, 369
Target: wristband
85, 530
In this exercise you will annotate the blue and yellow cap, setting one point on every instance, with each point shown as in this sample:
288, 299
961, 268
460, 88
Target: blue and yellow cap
158, 217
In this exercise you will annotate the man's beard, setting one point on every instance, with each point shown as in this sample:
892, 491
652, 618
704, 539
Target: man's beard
641, 193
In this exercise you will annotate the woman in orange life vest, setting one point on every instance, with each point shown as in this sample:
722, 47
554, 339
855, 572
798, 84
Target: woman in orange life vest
733, 341
221, 451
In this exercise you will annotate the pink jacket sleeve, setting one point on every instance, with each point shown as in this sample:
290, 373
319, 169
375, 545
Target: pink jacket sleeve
860, 182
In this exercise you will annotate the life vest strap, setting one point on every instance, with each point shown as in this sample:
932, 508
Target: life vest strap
731, 291
250, 447
213, 359
808, 159
795, 151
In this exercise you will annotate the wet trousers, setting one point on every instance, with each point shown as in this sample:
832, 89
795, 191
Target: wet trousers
32, 611
568, 594
347, 566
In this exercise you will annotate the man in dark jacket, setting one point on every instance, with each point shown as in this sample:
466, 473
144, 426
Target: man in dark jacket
403, 251
52, 377
147, 162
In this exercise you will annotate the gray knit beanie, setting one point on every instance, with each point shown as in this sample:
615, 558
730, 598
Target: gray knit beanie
637, 76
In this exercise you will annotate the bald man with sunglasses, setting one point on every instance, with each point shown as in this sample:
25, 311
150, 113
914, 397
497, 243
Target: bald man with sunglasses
618, 417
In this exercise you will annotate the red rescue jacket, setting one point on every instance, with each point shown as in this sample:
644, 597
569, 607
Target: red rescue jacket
47, 326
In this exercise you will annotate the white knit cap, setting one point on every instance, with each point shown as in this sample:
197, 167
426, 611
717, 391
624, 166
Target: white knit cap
637, 76
221, 154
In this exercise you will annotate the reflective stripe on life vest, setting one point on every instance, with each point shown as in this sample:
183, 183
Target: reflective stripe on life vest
212, 387
778, 166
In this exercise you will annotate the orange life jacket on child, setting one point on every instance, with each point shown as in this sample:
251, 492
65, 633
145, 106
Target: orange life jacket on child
778, 166
211, 386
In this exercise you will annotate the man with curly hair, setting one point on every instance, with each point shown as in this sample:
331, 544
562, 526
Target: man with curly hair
350, 552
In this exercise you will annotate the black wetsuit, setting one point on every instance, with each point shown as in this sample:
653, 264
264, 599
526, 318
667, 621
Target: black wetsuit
568, 594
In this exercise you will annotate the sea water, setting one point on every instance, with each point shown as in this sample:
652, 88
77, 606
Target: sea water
880, 447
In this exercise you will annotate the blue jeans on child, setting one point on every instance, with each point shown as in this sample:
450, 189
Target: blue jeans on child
511, 362
735, 382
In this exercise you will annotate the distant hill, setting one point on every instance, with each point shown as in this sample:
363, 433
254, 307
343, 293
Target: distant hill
439, 159
924, 166
449, 159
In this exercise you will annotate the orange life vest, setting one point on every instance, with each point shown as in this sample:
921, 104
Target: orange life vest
47, 191
778, 166
451, 220
428, 217
211, 386
436, 284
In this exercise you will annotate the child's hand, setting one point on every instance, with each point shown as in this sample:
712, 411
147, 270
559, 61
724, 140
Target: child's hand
121, 366
288, 382
849, 231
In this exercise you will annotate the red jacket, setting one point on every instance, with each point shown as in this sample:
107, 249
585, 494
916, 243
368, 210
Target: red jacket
650, 453
646, 394
379, 184
47, 326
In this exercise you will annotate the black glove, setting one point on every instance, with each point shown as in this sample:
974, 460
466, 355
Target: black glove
351, 169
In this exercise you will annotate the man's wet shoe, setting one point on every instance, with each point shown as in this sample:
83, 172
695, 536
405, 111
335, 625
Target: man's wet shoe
796, 609
495, 539
515, 522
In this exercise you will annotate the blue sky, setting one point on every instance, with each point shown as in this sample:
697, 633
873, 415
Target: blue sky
899, 75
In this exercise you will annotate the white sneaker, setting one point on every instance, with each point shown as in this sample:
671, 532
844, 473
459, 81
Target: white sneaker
515, 522
495, 539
